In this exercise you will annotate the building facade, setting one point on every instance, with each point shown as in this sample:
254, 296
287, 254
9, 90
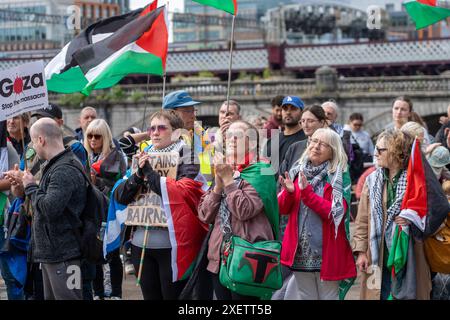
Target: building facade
42, 24
216, 35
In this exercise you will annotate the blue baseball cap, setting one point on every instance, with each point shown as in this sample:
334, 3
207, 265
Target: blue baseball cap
294, 101
178, 99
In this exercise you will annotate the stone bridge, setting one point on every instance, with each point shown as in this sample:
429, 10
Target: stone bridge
371, 96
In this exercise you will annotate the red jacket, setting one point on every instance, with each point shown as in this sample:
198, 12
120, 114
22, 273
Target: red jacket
337, 258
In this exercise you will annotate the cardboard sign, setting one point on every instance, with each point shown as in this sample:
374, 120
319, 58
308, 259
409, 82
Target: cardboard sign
147, 210
22, 89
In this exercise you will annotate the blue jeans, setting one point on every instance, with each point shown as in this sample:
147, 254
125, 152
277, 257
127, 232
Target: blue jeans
14, 289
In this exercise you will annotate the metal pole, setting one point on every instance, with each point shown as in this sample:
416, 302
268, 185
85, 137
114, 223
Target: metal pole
164, 85
146, 103
231, 62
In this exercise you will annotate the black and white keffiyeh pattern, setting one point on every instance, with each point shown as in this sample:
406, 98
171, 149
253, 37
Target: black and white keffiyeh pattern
176, 146
375, 183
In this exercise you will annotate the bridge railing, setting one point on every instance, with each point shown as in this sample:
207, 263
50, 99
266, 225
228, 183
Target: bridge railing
302, 87
240, 89
395, 84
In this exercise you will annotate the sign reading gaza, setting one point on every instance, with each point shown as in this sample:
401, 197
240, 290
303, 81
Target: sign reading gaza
147, 209
22, 89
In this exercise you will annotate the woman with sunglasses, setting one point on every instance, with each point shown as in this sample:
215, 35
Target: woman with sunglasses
107, 165
163, 277
316, 195
242, 200
378, 213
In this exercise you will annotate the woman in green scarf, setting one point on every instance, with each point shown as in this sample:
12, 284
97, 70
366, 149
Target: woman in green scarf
242, 201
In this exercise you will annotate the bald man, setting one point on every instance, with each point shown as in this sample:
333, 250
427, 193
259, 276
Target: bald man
87, 115
57, 203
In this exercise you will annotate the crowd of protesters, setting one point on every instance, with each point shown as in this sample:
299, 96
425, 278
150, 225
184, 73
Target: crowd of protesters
324, 175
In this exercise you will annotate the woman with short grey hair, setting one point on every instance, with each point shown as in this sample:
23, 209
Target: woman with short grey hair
316, 196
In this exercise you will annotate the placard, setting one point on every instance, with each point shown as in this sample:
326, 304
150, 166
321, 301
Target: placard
22, 89
146, 210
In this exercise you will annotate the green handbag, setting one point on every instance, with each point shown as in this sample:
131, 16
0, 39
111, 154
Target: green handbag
251, 269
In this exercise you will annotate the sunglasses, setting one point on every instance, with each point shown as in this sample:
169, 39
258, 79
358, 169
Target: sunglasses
95, 136
160, 128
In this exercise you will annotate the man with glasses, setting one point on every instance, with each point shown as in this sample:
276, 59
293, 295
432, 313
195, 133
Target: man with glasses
331, 110
196, 137
291, 110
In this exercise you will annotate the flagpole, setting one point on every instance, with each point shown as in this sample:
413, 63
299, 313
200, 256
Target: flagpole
164, 85
22, 130
146, 102
141, 263
230, 67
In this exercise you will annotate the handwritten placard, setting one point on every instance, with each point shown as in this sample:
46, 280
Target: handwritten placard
146, 210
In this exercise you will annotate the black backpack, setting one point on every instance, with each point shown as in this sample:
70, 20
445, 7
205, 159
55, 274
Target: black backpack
89, 236
353, 150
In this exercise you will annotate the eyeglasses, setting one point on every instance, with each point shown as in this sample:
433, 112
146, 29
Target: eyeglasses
380, 150
95, 136
160, 128
187, 110
357, 124
308, 121
322, 145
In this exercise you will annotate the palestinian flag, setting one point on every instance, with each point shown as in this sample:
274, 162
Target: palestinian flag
229, 6
180, 202
414, 208
108, 50
266, 186
428, 12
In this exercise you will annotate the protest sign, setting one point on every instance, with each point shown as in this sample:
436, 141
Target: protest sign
22, 89
146, 210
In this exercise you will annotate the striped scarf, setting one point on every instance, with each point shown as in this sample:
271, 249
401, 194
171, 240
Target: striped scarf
375, 182
176, 146
316, 174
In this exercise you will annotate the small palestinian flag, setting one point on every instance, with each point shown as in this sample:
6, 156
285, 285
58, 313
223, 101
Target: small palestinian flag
414, 208
229, 6
108, 50
427, 12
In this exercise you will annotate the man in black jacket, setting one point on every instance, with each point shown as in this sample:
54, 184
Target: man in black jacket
57, 203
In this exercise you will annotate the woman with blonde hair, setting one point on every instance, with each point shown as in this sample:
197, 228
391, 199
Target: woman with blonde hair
378, 213
316, 196
108, 165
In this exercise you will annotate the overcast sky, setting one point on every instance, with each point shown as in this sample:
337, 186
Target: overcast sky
174, 4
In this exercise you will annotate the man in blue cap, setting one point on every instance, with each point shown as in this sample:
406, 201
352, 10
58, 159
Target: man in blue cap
182, 103
291, 111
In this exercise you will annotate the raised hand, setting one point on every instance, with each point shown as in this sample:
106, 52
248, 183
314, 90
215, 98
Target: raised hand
302, 181
286, 182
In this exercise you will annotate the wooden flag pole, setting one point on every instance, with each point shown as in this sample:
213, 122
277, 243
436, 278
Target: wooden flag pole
141, 263
230, 67
22, 130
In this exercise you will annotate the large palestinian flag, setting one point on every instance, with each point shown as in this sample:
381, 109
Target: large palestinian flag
180, 201
106, 51
427, 12
229, 6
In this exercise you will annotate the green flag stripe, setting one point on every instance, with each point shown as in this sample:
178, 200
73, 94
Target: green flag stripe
266, 186
130, 62
398, 254
225, 5
425, 15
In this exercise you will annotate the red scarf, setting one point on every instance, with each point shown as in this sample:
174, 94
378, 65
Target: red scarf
248, 159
